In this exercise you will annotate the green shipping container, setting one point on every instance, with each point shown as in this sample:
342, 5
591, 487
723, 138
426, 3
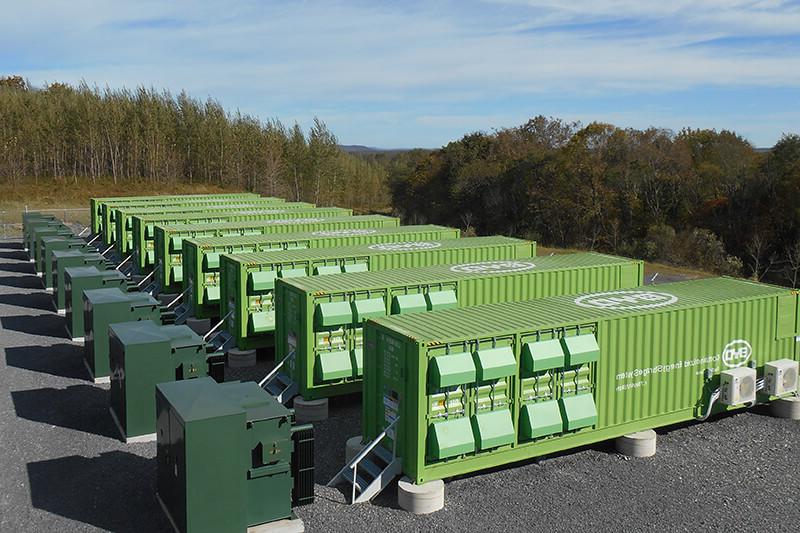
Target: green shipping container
247, 280
200, 259
123, 223
490, 385
319, 319
102, 214
144, 226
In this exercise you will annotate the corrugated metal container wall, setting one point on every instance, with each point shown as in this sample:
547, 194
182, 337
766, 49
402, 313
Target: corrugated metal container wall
320, 343
618, 362
253, 324
200, 257
123, 226
144, 226
97, 206
108, 208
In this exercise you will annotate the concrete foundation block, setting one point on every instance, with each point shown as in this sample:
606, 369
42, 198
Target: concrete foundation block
236, 358
639, 444
294, 525
420, 499
310, 410
352, 447
786, 408
201, 326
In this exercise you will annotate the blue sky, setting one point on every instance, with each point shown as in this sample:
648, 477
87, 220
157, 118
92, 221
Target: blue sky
404, 74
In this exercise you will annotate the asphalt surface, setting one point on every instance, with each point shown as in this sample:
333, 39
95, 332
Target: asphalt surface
62, 466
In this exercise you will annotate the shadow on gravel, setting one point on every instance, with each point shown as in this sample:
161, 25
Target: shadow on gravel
45, 325
11, 245
18, 255
114, 491
79, 407
24, 268
64, 360
34, 300
22, 282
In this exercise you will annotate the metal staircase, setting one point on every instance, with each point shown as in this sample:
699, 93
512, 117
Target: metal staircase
378, 468
278, 384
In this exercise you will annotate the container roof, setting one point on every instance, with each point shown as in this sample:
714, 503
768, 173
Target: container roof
274, 222
371, 249
453, 272
494, 319
244, 240
266, 210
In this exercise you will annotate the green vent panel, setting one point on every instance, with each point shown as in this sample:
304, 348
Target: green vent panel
211, 261
293, 273
450, 370
333, 365
436, 301
371, 308
495, 363
328, 269
542, 355
787, 316
260, 281
450, 438
493, 429
261, 322
175, 244
356, 267
357, 360
176, 274
210, 294
330, 314
581, 349
150, 257
578, 411
409, 303
539, 420
149, 231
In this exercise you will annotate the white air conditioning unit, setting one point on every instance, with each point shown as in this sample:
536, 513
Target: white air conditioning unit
780, 377
738, 386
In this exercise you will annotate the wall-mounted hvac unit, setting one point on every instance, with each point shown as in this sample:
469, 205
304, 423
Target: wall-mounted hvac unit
780, 377
738, 386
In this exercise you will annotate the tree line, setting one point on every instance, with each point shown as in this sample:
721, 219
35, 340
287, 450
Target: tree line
699, 198
146, 135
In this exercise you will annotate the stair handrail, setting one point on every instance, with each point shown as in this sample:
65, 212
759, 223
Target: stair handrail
353, 464
274, 372
216, 326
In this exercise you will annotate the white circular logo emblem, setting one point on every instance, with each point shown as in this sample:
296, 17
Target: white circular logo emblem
343, 232
736, 353
626, 300
405, 246
293, 221
489, 267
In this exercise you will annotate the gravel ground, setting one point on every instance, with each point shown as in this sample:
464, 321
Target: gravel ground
63, 467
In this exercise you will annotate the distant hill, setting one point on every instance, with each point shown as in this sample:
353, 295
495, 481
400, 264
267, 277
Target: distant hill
361, 149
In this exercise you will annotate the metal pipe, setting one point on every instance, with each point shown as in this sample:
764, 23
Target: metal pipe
274, 371
216, 327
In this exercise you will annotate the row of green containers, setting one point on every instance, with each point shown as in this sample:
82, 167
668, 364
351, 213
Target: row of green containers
103, 216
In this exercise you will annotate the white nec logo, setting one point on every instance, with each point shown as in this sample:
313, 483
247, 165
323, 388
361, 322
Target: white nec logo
405, 246
343, 232
626, 300
489, 267
736, 353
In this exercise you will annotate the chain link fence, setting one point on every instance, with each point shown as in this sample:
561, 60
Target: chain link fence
77, 218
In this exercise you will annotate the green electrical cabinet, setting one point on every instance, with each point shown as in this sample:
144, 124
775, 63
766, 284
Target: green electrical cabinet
489, 385
64, 259
28, 219
263, 464
79, 279
200, 257
39, 233
103, 307
319, 319
143, 354
144, 227
51, 244
32, 227
248, 280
